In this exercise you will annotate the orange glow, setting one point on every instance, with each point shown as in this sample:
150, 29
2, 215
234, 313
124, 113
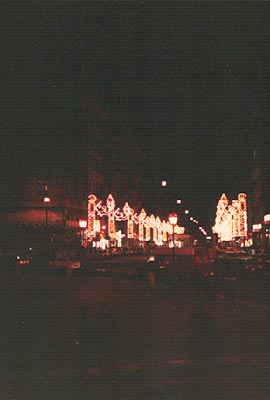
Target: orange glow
231, 220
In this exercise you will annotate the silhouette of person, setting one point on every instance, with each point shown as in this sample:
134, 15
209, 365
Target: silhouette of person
202, 330
86, 338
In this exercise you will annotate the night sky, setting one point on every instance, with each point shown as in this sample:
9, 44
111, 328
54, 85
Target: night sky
188, 80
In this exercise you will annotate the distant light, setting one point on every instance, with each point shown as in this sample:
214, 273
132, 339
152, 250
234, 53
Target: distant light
164, 183
46, 200
186, 211
267, 218
173, 219
178, 201
82, 223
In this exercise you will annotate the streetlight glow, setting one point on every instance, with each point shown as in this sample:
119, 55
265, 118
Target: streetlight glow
46, 200
173, 219
82, 223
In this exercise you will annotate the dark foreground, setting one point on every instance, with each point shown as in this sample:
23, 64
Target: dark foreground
151, 356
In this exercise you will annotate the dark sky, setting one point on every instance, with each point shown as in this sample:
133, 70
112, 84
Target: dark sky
190, 80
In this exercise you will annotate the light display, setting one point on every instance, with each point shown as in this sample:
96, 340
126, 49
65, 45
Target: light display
146, 224
111, 221
141, 217
91, 215
231, 220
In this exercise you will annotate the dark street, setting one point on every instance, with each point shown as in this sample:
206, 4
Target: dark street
151, 350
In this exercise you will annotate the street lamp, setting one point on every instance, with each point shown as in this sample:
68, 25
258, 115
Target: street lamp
164, 185
173, 221
82, 225
46, 202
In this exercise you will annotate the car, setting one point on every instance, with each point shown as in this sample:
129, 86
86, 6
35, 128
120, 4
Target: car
65, 262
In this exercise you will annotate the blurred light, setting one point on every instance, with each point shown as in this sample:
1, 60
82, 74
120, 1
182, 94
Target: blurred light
186, 211
173, 219
46, 200
178, 201
82, 223
164, 183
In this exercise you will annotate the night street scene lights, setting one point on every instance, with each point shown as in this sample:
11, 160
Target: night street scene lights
173, 221
46, 202
83, 226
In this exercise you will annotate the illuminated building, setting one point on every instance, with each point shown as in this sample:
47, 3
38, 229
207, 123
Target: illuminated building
231, 219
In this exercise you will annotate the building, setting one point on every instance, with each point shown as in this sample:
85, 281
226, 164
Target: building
260, 204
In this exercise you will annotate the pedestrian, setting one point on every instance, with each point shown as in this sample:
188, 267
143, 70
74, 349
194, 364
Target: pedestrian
86, 338
202, 331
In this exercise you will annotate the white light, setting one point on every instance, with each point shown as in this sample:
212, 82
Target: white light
267, 218
173, 219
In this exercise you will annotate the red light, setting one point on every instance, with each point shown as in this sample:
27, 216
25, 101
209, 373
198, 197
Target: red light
24, 262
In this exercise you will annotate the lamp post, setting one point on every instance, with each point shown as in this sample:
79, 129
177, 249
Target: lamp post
82, 225
164, 185
173, 221
46, 202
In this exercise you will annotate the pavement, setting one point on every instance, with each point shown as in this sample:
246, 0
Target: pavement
151, 357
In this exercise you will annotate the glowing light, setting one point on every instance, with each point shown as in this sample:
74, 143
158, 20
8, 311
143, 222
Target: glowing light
82, 223
96, 225
267, 218
178, 201
256, 227
47, 200
231, 220
91, 214
164, 183
173, 219
141, 217
111, 218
